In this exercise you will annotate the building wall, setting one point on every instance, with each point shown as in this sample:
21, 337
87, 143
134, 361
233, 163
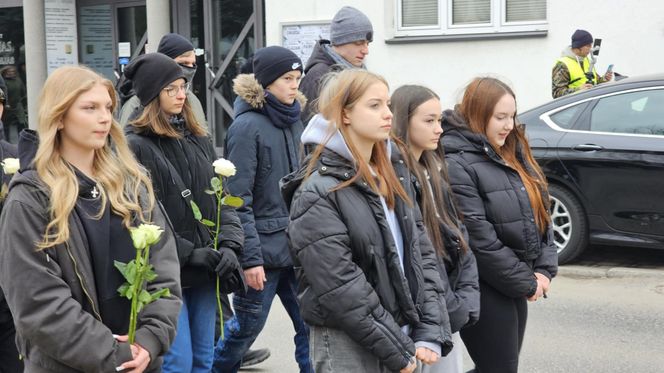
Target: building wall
632, 33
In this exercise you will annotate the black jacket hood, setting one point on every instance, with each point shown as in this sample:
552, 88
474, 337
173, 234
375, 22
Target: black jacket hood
457, 136
28, 142
319, 56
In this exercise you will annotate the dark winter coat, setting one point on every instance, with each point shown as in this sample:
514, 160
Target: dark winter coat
348, 268
494, 202
7, 150
191, 158
459, 270
52, 292
263, 152
319, 64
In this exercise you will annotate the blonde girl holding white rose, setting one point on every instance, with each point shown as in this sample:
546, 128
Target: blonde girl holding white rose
177, 151
64, 223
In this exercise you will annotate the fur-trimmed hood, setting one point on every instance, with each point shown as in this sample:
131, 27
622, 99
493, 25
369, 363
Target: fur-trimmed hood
248, 89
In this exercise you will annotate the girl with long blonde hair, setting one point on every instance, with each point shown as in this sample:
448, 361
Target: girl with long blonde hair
368, 284
65, 222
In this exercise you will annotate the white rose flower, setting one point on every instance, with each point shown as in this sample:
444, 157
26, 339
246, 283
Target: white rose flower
145, 235
10, 165
224, 167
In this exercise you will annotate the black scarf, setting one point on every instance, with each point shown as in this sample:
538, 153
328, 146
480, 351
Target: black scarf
280, 114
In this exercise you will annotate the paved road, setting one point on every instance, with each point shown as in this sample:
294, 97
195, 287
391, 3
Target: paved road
586, 325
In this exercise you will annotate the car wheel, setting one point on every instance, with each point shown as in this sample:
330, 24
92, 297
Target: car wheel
570, 229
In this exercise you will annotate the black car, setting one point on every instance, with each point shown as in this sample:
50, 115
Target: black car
602, 151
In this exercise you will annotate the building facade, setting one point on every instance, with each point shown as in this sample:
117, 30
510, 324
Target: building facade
443, 44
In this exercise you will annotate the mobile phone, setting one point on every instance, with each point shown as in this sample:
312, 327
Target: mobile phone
610, 69
596, 46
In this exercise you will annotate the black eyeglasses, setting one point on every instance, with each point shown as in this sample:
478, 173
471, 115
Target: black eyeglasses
173, 90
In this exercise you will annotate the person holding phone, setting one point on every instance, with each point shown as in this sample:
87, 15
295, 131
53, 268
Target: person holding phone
569, 72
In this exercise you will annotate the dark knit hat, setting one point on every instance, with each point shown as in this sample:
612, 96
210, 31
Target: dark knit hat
174, 45
581, 38
349, 25
150, 73
272, 62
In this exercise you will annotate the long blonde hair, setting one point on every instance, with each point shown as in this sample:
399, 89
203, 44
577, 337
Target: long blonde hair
341, 91
120, 177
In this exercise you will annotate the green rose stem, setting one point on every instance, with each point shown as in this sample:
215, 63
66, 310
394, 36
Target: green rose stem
138, 272
216, 243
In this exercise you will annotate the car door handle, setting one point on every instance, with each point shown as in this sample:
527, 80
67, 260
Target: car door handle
587, 147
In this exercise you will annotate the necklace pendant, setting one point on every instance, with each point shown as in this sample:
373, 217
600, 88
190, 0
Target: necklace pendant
94, 192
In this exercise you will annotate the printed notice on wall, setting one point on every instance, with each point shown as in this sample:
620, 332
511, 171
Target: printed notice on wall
301, 38
95, 25
60, 24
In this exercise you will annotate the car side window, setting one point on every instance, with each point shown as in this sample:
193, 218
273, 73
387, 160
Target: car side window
564, 118
639, 112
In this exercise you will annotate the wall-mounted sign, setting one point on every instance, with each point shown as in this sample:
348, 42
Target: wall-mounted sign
301, 37
61, 40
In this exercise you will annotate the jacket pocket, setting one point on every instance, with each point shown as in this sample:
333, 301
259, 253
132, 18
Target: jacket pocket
271, 225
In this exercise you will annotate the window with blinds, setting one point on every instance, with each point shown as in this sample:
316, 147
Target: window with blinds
468, 17
525, 10
416, 13
471, 12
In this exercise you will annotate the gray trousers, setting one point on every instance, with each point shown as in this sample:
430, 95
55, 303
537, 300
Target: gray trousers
452, 363
333, 351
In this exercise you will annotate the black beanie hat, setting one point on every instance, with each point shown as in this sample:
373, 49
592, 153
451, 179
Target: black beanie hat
581, 38
174, 45
150, 73
272, 62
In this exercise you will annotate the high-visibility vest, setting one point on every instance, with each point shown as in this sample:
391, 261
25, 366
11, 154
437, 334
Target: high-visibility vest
577, 75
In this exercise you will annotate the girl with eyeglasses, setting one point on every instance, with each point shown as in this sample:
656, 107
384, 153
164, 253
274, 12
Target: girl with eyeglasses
502, 195
178, 152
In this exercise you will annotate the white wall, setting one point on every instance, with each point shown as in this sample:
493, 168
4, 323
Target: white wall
632, 33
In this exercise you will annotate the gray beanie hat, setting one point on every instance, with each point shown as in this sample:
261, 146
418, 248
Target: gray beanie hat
349, 25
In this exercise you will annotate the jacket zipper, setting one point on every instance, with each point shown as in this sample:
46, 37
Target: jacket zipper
393, 339
80, 279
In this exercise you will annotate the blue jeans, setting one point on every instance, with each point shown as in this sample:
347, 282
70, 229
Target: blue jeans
251, 312
194, 342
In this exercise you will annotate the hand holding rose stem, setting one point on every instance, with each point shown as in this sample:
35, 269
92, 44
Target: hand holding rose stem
223, 168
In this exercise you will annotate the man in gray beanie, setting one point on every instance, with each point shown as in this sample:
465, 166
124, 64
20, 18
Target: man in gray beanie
569, 72
350, 34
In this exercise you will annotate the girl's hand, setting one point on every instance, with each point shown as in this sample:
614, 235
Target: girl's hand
410, 368
426, 356
141, 357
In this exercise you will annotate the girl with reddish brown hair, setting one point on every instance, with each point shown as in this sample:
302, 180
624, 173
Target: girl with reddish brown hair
502, 195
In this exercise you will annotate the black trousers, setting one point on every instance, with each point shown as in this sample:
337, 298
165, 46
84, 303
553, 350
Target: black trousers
9, 361
495, 341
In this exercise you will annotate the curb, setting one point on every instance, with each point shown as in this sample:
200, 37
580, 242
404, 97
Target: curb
577, 271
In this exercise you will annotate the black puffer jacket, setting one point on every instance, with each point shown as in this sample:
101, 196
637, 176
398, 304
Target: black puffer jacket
191, 157
497, 212
459, 270
348, 268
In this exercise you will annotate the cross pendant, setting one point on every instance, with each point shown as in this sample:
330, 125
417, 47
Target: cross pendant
94, 192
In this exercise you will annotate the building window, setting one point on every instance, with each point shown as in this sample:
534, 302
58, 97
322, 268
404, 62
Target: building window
459, 17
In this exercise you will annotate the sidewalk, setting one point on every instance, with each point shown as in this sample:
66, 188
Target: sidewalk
580, 271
